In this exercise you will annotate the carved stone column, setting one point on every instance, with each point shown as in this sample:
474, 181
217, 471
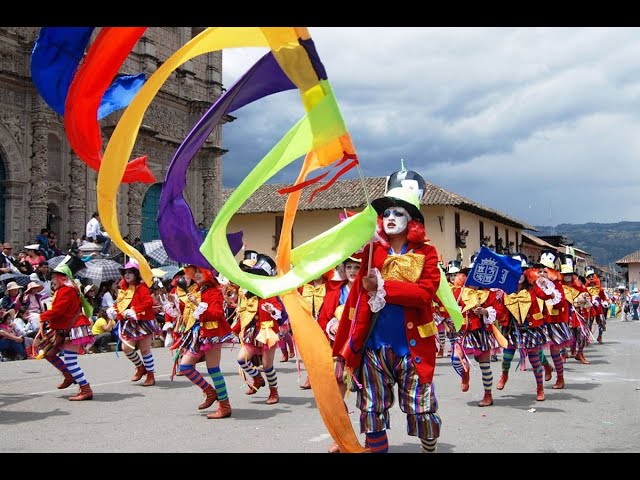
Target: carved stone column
38, 204
78, 196
211, 188
134, 217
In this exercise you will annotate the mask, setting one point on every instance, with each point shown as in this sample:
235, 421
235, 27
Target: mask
395, 220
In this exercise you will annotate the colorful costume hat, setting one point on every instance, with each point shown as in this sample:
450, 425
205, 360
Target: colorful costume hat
522, 258
405, 189
566, 264
131, 264
453, 266
249, 260
264, 265
549, 259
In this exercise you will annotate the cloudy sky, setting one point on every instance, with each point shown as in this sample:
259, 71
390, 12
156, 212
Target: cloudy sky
542, 124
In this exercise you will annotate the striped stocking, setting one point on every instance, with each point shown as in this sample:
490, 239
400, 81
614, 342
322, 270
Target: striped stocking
378, 442
194, 375
134, 357
71, 362
147, 358
272, 378
534, 359
218, 383
487, 375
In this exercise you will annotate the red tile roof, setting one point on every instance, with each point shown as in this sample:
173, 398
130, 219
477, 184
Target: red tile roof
350, 194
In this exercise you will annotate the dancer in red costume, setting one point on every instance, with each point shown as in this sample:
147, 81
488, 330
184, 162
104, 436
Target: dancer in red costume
205, 338
136, 322
65, 327
524, 326
386, 335
257, 325
579, 306
598, 300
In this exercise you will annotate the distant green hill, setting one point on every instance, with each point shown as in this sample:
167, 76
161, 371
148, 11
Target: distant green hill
606, 242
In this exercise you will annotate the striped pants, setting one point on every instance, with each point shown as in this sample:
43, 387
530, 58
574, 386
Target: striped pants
381, 370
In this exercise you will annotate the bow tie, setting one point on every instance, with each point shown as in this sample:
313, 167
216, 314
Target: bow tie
405, 268
518, 304
473, 298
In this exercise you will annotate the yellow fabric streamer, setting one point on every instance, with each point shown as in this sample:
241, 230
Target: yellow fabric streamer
120, 146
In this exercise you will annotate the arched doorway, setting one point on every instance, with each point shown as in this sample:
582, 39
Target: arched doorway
3, 177
150, 206
53, 218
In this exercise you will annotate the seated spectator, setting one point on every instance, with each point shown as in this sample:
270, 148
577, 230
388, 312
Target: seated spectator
26, 329
110, 294
42, 275
32, 299
34, 257
53, 244
22, 264
11, 344
43, 243
74, 242
91, 294
103, 332
11, 297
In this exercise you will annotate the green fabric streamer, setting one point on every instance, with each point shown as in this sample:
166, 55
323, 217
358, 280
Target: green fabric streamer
445, 295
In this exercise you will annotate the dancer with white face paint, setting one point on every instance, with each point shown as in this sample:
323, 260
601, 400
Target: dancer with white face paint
137, 321
387, 335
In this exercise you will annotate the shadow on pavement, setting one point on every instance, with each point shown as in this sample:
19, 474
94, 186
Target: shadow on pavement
16, 418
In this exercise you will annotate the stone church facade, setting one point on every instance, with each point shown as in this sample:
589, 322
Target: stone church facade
44, 184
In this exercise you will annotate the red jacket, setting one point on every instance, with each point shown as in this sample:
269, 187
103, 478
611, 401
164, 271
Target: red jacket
328, 309
141, 303
212, 320
65, 307
416, 298
489, 298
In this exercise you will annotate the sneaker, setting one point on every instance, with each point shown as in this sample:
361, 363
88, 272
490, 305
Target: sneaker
494, 358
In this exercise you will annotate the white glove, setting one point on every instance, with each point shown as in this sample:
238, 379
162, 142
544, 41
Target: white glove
275, 313
170, 309
167, 326
112, 313
490, 317
200, 309
330, 324
130, 314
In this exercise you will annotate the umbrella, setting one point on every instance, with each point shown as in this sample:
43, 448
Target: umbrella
100, 270
55, 261
155, 251
19, 278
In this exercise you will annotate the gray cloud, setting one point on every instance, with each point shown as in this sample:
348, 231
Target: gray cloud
539, 123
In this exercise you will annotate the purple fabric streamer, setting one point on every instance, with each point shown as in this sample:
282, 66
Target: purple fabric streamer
178, 229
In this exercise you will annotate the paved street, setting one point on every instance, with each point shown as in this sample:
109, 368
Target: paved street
598, 411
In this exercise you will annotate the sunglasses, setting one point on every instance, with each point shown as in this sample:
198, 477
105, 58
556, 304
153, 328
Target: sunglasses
396, 213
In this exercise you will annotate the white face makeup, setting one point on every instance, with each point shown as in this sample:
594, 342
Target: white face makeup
351, 269
395, 220
129, 276
198, 277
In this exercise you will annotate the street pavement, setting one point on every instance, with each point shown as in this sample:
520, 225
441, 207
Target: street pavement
598, 411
